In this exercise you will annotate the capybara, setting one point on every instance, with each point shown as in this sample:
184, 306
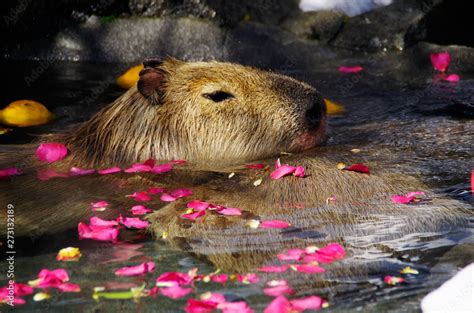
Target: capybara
219, 117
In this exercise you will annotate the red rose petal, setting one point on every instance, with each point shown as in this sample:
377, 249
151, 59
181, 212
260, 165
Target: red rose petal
360, 168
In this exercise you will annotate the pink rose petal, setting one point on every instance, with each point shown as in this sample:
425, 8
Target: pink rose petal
278, 291
97, 221
182, 192
138, 168
219, 278
198, 205
176, 194
307, 303
193, 216
198, 306
140, 210
350, 69
408, 198
440, 61
55, 279
452, 78
299, 171
175, 292
229, 211
291, 255
167, 198
393, 280
110, 170
170, 279
76, 171
19, 290
250, 278
136, 270
99, 205
281, 171
277, 288
274, 224
279, 305
162, 168
69, 287
273, 268
101, 234
277, 163
307, 268
140, 196
7, 172
328, 254
51, 152
134, 222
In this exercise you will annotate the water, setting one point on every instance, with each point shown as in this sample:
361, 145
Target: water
398, 118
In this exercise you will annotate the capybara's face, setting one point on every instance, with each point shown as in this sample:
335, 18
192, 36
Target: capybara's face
222, 111
208, 113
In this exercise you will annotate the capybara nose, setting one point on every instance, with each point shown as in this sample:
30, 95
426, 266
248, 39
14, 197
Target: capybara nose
313, 116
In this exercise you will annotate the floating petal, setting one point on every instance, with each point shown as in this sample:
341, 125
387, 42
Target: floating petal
51, 152
136, 270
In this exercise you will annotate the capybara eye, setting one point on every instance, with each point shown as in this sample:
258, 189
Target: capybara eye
218, 96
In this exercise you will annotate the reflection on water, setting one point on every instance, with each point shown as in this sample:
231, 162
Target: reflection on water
405, 124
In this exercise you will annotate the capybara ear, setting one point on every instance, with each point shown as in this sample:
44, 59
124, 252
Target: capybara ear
150, 83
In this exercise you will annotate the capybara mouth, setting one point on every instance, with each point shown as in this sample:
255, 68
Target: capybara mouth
309, 138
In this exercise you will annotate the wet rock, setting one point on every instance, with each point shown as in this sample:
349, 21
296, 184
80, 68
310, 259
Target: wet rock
380, 29
320, 25
129, 40
269, 47
407, 22
228, 12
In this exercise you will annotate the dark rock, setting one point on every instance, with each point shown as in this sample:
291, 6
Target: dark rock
380, 29
226, 12
269, 47
445, 23
129, 40
320, 25
406, 22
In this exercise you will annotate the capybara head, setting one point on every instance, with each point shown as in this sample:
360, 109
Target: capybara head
204, 112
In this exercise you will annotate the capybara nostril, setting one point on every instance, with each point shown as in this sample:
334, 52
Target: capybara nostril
313, 116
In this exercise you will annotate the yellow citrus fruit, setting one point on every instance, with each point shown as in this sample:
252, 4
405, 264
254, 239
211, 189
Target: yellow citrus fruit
334, 108
130, 77
24, 113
